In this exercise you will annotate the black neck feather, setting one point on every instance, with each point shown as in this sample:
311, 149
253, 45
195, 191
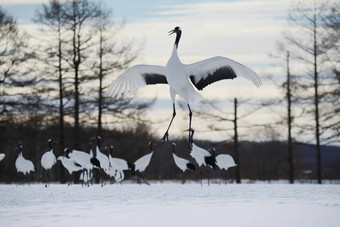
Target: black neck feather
178, 36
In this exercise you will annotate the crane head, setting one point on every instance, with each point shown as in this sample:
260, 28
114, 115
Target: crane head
150, 145
67, 151
173, 147
20, 146
175, 30
50, 142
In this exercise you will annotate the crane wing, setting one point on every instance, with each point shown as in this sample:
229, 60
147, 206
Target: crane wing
213, 69
199, 154
103, 159
136, 77
118, 164
181, 163
225, 161
2, 156
143, 162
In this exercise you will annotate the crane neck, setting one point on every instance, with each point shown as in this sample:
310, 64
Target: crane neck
174, 54
178, 37
50, 144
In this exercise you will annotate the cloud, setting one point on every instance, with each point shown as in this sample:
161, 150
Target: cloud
222, 28
19, 2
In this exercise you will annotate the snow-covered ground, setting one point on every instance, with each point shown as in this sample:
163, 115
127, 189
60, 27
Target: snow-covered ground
171, 204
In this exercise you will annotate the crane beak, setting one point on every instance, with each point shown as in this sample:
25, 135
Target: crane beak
171, 32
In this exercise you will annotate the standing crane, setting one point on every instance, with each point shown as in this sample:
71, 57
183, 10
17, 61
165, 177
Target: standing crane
48, 160
140, 164
84, 160
203, 158
117, 166
23, 165
225, 161
70, 165
181, 163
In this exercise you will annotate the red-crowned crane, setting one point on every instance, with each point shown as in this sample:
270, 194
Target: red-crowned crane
140, 164
225, 161
23, 165
203, 157
103, 159
184, 80
70, 165
117, 167
83, 159
181, 163
48, 160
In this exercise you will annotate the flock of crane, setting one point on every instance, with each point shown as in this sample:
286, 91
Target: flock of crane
183, 80
75, 161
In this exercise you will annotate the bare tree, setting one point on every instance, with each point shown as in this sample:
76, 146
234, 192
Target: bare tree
79, 18
111, 57
15, 72
218, 116
51, 52
307, 44
331, 95
13, 44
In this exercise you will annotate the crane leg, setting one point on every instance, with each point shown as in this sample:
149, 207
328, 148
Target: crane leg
47, 178
166, 134
143, 179
221, 177
201, 178
208, 178
184, 175
190, 130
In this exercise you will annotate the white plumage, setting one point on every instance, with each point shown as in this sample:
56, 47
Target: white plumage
2, 156
199, 154
140, 164
117, 166
118, 163
184, 80
23, 165
143, 162
103, 159
69, 164
85, 177
119, 176
182, 163
225, 161
82, 158
48, 159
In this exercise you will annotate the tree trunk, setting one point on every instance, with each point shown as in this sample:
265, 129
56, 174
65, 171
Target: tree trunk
289, 122
236, 150
100, 96
316, 103
76, 62
61, 104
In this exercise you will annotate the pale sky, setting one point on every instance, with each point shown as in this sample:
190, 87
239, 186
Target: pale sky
245, 31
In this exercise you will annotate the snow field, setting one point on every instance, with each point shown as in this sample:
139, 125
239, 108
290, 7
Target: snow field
170, 204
